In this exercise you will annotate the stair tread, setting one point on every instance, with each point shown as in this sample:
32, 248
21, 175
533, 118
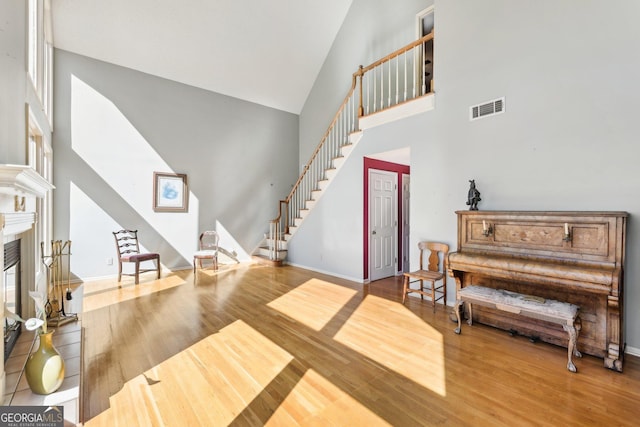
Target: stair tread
264, 260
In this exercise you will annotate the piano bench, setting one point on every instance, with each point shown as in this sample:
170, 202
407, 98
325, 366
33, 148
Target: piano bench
561, 313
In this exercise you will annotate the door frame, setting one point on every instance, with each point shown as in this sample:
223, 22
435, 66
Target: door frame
399, 169
405, 193
388, 250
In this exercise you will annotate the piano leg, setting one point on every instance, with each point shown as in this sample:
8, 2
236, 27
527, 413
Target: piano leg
572, 349
456, 310
578, 325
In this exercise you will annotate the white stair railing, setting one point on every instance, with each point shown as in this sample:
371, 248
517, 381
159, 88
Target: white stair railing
399, 77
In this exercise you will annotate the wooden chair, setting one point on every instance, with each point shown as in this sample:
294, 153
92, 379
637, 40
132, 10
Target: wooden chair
129, 251
208, 244
433, 273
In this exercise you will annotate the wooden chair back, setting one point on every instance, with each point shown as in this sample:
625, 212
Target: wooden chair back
436, 261
127, 242
209, 240
129, 251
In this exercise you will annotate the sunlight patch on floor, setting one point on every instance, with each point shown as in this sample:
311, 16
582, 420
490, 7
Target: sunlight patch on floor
316, 401
212, 382
398, 340
314, 303
101, 294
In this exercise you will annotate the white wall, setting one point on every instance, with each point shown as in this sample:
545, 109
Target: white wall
115, 126
567, 141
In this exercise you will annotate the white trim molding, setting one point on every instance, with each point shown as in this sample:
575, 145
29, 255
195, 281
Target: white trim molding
21, 179
398, 112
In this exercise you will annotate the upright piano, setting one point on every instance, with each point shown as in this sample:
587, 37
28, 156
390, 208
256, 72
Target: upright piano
576, 257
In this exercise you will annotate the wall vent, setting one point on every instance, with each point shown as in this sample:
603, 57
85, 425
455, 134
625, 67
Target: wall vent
486, 109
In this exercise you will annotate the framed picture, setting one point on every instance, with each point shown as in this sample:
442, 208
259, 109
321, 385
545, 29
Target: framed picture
170, 192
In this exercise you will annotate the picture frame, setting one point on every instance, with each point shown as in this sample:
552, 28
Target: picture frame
170, 192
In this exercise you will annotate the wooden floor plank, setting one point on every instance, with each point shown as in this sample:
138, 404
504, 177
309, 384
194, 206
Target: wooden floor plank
256, 345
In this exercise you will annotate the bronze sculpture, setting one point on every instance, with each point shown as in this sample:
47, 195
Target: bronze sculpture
474, 196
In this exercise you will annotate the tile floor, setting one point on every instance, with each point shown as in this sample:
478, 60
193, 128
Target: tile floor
67, 339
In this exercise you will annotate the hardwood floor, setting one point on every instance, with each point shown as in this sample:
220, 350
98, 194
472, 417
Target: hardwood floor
255, 345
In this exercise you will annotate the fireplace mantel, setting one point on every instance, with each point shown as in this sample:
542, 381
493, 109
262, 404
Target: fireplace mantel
20, 185
20, 180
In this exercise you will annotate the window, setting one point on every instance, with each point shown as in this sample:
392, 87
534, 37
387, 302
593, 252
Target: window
39, 157
40, 52
47, 63
34, 38
47, 88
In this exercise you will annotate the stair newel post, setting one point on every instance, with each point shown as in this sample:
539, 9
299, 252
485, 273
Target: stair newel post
270, 242
286, 215
289, 213
360, 107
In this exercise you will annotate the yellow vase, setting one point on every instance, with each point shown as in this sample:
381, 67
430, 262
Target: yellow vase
45, 367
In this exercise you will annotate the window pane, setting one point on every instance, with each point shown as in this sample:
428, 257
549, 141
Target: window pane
33, 41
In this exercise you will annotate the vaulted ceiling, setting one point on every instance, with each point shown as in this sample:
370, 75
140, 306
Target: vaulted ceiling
264, 51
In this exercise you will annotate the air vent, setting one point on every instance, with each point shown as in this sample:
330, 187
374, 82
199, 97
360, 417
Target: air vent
486, 109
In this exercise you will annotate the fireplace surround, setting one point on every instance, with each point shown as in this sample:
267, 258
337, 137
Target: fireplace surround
12, 291
20, 187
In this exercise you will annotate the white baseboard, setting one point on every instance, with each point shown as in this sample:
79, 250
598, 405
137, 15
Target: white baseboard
329, 273
634, 351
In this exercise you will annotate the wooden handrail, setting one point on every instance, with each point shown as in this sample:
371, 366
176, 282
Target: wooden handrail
398, 52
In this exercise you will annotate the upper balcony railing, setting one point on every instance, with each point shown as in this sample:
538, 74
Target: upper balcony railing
401, 76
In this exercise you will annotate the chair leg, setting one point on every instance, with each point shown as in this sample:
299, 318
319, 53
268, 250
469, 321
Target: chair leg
137, 274
444, 292
215, 263
158, 266
405, 285
194, 265
433, 295
119, 271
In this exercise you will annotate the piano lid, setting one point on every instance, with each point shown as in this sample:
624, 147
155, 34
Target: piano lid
593, 279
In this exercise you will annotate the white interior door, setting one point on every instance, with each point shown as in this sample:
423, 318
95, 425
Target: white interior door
383, 224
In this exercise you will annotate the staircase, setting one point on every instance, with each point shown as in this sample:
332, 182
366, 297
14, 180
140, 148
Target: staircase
393, 80
273, 249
